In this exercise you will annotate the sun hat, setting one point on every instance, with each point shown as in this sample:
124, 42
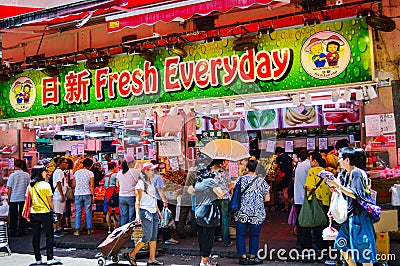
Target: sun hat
148, 166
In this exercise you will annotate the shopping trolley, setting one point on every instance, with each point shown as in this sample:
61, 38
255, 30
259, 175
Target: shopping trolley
4, 237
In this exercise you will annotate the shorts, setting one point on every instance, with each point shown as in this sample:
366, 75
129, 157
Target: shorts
108, 208
357, 236
59, 207
149, 223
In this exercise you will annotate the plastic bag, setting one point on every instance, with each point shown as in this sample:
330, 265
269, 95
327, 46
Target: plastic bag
167, 220
395, 190
338, 207
329, 233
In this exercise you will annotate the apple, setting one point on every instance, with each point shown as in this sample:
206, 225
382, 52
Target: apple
335, 117
353, 116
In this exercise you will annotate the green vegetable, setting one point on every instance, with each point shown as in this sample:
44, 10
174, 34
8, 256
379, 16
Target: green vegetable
260, 119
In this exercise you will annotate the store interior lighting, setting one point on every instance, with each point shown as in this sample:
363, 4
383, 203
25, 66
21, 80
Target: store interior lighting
371, 92
173, 110
186, 108
221, 106
307, 98
360, 94
347, 95
296, 99
266, 30
335, 95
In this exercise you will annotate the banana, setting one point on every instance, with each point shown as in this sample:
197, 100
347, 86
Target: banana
288, 118
298, 116
311, 115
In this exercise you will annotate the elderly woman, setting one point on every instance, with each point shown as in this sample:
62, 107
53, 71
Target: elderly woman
207, 192
356, 239
148, 214
251, 213
127, 179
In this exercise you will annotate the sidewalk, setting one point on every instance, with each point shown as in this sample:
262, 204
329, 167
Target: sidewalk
276, 234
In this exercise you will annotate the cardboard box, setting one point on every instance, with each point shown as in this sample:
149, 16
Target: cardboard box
383, 245
388, 222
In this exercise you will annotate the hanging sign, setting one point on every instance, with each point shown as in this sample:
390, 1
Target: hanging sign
317, 58
289, 146
74, 149
233, 169
310, 144
322, 144
81, 148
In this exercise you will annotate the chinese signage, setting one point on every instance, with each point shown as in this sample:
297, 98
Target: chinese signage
381, 124
324, 55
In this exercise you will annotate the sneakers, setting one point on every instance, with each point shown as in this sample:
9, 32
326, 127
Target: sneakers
330, 262
54, 261
254, 261
57, 233
39, 262
109, 230
243, 261
229, 245
218, 239
89, 231
76, 233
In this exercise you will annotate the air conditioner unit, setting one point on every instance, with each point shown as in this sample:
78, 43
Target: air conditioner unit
337, 107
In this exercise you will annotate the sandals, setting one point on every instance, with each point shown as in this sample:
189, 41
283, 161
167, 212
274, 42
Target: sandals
132, 261
156, 262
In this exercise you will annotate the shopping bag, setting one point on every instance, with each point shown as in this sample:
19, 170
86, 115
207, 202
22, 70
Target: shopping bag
26, 211
329, 233
311, 213
292, 216
338, 207
70, 193
167, 219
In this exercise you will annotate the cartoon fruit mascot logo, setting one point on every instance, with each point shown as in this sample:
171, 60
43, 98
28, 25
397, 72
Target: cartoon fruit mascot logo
22, 94
325, 55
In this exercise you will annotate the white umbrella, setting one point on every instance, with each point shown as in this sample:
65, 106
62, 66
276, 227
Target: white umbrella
225, 149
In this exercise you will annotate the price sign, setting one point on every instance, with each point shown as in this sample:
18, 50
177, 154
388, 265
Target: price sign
310, 144
376, 125
289, 146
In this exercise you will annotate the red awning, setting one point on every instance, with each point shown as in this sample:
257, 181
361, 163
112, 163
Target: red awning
11, 11
169, 11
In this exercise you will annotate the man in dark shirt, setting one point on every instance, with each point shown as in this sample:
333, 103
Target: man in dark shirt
285, 164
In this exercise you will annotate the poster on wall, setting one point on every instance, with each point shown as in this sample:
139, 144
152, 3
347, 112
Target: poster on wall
310, 144
261, 119
300, 116
376, 125
323, 144
201, 124
233, 169
338, 118
289, 146
226, 122
74, 149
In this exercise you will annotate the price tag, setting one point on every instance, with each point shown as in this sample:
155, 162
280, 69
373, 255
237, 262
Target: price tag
289, 146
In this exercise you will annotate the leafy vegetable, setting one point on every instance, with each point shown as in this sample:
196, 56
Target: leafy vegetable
260, 119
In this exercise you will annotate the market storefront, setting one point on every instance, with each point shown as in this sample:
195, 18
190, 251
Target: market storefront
302, 87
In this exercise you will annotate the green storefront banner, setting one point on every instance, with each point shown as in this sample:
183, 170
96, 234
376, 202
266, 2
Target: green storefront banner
331, 54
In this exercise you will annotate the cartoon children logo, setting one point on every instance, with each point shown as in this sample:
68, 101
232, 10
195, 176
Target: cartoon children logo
22, 94
325, 55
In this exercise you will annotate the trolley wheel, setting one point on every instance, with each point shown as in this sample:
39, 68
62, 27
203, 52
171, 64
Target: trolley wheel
101, 261
115, 259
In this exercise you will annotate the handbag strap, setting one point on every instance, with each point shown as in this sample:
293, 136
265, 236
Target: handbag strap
248, 185
313, 190
37, 193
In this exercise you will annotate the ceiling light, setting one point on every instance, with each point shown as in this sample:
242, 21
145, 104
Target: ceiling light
110, 116
221, 106
120, 148
186, 108
117, 116
92, 118
231, 106
6, 150
78, 120
198, 108
142, 114
116, 142
247, 105
4, 127
307, 98
20, 125
84, 119
144, 133
69, 121
347, 95
173, 110
371, 92
359, 95
159, 111
208, 108
129, 115
31, 124
296, 99
335, 95
100, 117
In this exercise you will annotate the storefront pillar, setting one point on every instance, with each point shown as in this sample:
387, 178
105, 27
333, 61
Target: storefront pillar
396, 107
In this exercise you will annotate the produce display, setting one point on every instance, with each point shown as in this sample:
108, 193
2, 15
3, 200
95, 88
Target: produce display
175, 177
342, 117
268, 163
389, 173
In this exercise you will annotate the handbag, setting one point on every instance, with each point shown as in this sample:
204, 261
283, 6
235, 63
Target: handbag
279, 176
70, 193
208, 214
311, 213
26, 211
368, 204
338, 207
167, 219
236, 200
112, 195
292, 216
